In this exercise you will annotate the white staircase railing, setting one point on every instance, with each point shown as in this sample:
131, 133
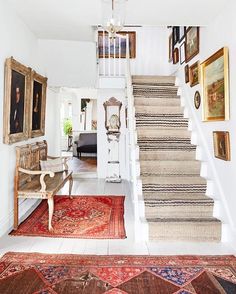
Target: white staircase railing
132, 142
110, 55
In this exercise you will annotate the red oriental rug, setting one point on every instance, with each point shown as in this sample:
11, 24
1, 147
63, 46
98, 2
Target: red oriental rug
24, 273
85, 217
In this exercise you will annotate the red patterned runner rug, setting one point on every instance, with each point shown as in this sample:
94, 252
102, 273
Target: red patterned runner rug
27, 273
85, 217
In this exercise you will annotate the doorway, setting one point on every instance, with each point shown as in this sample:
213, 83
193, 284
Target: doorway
79, 130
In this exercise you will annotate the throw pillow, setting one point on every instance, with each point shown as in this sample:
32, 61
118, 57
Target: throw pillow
54, 165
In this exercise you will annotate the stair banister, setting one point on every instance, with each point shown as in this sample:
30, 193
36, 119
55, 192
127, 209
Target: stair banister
131, 125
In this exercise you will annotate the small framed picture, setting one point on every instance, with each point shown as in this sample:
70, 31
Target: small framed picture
182, 53
191, 43
194, 74
182, 33
197, 99
186, 72
175, 31
175, 56
221, 145
170, 47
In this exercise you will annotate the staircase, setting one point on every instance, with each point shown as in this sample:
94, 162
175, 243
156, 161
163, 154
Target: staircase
176, 207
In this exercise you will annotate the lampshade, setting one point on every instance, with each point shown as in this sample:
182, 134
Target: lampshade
113, 16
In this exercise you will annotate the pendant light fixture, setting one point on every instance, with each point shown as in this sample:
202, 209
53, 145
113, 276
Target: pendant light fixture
113, 16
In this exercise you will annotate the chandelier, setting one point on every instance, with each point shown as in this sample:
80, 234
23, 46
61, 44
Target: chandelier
113, 16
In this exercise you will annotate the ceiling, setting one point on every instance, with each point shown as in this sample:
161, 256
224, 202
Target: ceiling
72, 19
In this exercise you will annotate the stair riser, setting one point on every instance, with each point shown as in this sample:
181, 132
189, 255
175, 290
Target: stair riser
141, 79
174, 188
181, 155
170, 168
157, 102
201, 232
197, 211
178, 196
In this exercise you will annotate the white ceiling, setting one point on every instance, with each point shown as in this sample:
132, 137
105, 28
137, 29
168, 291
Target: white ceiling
72, 19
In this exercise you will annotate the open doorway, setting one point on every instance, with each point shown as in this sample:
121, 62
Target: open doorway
79, 130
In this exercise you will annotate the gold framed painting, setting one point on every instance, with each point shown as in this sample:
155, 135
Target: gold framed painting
16, 101
116, 48
191, 43
194, 74
215, 86
37, 105
221, 145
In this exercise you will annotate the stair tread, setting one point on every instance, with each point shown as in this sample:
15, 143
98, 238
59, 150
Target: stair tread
174, 180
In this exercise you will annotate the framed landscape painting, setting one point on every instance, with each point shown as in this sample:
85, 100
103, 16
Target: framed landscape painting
221, 145
16, 100
115, 48
215, 84
191, 43
37, 105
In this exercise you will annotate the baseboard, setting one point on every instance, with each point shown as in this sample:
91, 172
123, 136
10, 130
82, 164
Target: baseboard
26, 207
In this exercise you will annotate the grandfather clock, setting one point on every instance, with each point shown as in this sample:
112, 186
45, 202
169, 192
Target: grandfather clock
112, 124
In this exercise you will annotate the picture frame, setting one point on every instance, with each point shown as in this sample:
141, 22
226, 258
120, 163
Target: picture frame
191, 43
221, 144
194, 74
37, 104
182, 33
170, 47
197, 99
215, 86
16, 102
182, 53
175, 32
186, 73
106, 45
176, 56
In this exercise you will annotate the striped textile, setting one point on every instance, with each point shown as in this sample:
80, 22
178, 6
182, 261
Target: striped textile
176, 207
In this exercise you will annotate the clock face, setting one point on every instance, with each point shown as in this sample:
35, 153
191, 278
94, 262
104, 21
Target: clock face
114, 122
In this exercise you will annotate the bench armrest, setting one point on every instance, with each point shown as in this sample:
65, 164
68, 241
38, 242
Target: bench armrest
38, 172
64, 158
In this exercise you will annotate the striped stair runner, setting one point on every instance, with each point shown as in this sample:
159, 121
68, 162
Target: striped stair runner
176, 207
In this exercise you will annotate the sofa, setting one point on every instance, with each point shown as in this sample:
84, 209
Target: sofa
85, 143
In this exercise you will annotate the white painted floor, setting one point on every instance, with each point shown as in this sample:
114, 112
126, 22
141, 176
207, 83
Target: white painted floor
112, 247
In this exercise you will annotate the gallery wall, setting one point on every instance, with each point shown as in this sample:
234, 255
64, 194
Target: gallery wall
19, 42
212, 38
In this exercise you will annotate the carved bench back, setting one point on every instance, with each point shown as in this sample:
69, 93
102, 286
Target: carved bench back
28, 157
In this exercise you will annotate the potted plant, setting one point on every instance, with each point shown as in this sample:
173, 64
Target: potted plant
67, 128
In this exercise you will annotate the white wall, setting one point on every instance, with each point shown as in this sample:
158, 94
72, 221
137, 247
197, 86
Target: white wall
69, 63
151, 51
19, 42
217, 35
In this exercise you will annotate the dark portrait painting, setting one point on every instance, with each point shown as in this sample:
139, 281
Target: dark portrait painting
17, 102
37, 105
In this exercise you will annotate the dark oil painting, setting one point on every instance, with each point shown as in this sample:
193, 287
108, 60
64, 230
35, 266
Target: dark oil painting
17, 103
37, 104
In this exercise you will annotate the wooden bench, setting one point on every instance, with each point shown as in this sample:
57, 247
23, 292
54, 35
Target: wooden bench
31, 182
